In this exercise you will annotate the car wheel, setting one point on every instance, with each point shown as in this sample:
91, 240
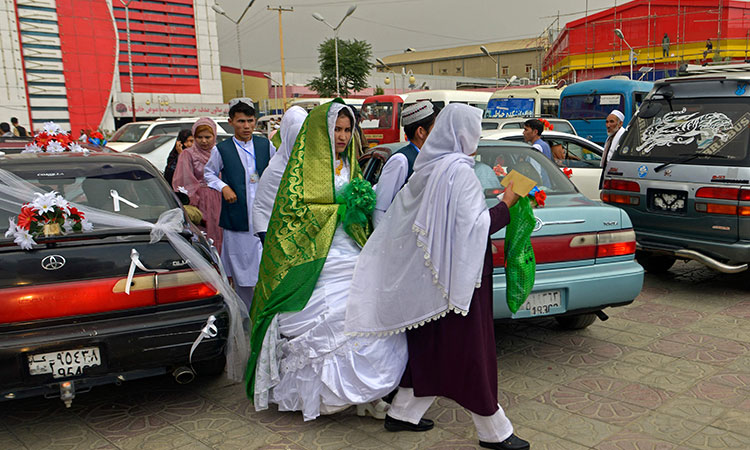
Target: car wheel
576, 322
210, 367
654, 263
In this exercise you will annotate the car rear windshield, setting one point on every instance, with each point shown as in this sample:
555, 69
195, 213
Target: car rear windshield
104, 186
149, 145
666, 130
132, 132
493, 162
592, 106
377, 115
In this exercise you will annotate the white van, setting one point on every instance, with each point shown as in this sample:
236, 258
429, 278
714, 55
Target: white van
538, 101
134, 132
442, 97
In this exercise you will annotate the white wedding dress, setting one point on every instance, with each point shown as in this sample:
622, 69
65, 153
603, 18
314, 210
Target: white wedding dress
307, 362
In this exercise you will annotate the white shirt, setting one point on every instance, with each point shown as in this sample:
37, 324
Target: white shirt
392, 179
241, 250
612, 146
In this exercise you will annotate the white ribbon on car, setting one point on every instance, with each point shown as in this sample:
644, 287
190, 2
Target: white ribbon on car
117, 198
208, 331
15, 191
135, 261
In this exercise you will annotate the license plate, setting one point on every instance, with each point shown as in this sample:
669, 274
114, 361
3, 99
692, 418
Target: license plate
65, 363
541, 304
674, 202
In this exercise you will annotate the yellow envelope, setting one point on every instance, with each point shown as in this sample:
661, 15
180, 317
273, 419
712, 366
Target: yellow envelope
521, 183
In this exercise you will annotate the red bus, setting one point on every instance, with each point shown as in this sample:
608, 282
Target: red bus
381, 119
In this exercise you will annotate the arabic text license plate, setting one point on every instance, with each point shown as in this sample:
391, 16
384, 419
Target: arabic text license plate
541, 303
66, 363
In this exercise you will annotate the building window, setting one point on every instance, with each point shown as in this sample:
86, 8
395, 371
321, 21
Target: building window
528, 68
505, 70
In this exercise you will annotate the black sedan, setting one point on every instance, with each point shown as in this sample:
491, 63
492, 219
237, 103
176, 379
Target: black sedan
69, 321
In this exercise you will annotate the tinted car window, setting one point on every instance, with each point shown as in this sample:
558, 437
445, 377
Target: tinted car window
677, 128
492, 162
377, 115
151, 144
549, 107
592, 106
131, 132
226, 127
563, 127
490, 125
170, 128
513, 126
574, 154
92, 185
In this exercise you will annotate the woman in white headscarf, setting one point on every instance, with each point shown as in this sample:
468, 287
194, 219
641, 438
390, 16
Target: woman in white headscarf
421, 273
268, 185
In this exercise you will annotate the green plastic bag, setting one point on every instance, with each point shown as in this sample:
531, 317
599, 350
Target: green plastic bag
520, 264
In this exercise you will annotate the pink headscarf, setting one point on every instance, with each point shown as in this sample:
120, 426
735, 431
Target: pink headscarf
192, 160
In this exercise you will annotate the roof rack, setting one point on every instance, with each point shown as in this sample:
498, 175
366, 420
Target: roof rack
695, 69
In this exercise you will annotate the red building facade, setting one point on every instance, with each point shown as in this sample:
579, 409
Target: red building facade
588, 48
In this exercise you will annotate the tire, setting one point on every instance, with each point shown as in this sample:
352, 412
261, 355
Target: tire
210, 367
576, 322
654, 263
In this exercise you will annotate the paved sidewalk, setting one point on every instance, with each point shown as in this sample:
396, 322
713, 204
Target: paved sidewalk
672, 370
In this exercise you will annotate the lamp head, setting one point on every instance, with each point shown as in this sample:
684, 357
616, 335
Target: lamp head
350, 11
412, 80
218, 9
317, 16
619, 34
484, 50
512, 79
387, 80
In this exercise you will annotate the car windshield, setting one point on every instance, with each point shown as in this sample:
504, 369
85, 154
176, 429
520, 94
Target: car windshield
226, 127
509, 107
131, 132
563, 127
149, 145
129, 188
377, 115
490, 125
493, 162
592, 106
678, 128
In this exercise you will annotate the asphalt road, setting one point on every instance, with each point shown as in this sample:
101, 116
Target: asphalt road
672, 370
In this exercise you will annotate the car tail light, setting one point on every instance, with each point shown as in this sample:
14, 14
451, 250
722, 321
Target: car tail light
621, 185
574, 247
615, 243
718, 192
722, 193
182, 286
620, 198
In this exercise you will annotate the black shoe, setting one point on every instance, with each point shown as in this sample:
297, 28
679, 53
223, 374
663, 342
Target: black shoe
392, 424
512, 443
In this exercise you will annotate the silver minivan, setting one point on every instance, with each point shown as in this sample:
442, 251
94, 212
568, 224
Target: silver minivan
682, 170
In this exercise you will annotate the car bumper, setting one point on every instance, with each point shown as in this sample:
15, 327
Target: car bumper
131, 346
738, 251
587, 288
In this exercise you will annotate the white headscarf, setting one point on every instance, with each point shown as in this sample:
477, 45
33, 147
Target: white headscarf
426, 256
268, 186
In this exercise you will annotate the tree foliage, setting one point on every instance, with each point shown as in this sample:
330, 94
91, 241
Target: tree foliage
354, 67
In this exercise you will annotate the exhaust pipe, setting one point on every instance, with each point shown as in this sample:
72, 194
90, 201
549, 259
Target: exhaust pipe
183, 375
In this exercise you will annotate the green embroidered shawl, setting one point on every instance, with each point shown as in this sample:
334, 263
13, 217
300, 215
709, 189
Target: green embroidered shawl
300, 231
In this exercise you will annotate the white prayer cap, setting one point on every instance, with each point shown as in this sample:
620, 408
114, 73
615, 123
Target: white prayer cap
416, 112
618, 114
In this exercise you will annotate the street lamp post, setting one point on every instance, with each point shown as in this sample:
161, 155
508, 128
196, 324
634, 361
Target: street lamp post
619, 34
335, 29
497, 64
126, 4
219, 10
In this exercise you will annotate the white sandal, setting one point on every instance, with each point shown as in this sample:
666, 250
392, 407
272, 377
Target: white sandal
376, 409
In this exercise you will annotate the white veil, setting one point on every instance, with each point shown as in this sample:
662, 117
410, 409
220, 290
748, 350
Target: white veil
15, 191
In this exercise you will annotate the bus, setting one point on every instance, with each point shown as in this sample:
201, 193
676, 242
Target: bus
539, 101
381, 119
442, 97
587, 104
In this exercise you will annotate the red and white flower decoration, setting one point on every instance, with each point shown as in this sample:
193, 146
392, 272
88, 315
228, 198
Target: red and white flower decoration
53, 140
48, 214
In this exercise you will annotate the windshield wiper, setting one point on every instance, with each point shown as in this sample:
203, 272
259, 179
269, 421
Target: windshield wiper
688, 157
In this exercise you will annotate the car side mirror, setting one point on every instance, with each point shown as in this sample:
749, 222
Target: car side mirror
184, 198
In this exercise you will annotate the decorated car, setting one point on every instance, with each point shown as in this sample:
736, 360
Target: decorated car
103, 279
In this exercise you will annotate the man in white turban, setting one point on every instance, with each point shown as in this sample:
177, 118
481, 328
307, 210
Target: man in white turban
614, 133
417, 120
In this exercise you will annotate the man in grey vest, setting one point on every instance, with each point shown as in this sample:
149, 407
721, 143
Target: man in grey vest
614, 133
234, 169
417, 120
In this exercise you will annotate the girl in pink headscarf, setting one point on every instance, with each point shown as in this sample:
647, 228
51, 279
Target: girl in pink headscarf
189, 175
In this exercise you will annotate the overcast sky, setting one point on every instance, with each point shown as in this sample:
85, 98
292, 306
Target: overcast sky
389, 25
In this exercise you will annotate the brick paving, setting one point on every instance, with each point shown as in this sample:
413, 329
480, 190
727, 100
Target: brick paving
670, 371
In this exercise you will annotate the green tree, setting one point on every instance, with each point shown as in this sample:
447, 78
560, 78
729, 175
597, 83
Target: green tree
354, 67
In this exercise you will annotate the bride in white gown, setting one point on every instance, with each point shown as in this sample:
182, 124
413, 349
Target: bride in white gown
307, 363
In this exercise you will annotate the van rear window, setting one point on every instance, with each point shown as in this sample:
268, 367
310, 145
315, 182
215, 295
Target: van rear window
592, 106
665, 130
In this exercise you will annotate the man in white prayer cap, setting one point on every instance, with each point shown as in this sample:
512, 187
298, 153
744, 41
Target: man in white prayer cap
417, 120
614, 133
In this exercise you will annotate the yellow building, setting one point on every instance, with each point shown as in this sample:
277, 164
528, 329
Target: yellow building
520, 57
256, 84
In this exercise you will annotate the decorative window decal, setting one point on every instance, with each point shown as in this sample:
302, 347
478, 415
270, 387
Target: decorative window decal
682, 128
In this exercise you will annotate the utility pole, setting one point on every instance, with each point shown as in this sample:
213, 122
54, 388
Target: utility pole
281, 46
